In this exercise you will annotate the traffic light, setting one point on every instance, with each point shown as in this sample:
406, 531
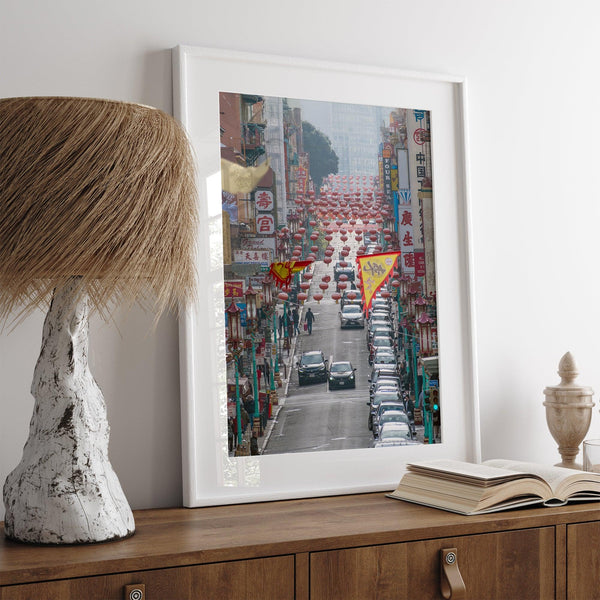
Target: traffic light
426, 401
434, 395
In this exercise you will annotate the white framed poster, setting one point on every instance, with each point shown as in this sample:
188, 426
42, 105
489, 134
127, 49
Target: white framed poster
231, 105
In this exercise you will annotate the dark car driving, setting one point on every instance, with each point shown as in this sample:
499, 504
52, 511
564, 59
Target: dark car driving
312, 367
341, 375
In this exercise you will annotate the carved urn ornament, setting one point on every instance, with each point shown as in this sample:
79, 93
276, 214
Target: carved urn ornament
97, 208
568, 412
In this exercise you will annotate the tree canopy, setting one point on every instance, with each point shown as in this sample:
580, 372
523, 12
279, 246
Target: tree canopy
323, 159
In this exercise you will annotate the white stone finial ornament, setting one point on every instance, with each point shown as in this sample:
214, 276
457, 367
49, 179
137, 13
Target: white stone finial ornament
568, 411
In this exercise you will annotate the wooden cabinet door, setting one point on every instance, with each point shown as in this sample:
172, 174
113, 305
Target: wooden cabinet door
259, 579
583, 561
515, 564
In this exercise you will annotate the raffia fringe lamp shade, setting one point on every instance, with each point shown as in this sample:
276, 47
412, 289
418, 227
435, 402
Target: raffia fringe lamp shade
97, 208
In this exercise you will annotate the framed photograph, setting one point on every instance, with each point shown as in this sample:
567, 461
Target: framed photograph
333, 251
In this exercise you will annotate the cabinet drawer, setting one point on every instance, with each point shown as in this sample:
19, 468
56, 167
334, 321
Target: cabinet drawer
583, 564
513, 564
258, 579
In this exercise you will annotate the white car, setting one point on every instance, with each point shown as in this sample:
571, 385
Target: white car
394, 434
352, 316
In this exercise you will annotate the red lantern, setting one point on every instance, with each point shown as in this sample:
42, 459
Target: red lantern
342, 285
318, 297
305, 285
336, 296
302, 296
282, 296
323, 286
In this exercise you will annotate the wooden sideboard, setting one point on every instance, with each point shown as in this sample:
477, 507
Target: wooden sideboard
353, 547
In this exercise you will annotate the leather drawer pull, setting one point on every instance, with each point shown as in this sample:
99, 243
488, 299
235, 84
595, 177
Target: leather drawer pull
451, 581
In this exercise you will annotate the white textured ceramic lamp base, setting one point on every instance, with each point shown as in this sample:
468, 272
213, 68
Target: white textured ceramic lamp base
64, 490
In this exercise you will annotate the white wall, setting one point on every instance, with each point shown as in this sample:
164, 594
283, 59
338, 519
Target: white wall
533, 129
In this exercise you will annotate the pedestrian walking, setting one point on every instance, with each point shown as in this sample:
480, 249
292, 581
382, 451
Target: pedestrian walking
296, 319
309, 318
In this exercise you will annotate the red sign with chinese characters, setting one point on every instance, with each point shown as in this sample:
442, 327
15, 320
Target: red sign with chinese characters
419, 264
234, 288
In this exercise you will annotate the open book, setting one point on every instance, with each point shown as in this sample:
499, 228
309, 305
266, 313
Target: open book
494, 485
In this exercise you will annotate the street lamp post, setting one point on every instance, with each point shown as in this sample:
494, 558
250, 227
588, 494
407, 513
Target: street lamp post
271, 315
252, 327
234, 339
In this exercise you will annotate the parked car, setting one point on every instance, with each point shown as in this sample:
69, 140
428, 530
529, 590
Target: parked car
379, 303
382, 375
380, 341
352, 316
390, 405
385, 361
394, 434
342, 375
380, 315
379, 328
382, 395
388, 414
312, 367
386, 383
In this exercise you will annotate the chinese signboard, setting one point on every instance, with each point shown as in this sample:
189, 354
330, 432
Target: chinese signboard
265, 224
263, 257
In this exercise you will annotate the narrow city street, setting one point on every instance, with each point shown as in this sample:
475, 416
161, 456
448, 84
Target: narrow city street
314, 418
320, 200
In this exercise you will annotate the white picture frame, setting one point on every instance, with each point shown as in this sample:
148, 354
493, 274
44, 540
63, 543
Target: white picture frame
210, 475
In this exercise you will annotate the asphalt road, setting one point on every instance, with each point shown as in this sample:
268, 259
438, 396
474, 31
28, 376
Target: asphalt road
314, 418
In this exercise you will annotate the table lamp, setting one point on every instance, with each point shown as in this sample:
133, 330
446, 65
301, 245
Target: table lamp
97, 209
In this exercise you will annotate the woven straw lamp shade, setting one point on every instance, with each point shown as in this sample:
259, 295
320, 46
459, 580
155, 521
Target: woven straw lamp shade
99, 189
97, 208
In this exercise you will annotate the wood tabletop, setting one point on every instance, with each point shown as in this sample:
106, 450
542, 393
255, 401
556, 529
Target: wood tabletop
184, 536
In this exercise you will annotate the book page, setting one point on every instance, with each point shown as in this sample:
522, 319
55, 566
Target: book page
558, 478
464, 471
